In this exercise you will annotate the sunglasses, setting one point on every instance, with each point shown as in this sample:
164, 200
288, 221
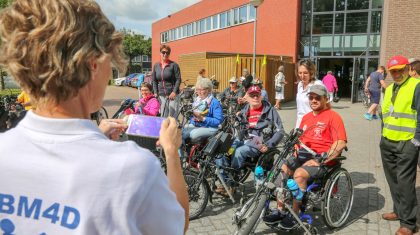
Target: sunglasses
314, 97
165, 52
254, 95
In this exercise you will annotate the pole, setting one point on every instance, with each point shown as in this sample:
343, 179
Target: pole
255, 43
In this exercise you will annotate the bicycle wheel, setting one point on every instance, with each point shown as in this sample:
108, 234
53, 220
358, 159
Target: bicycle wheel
250, 212
338, 199
101, 114
198, 193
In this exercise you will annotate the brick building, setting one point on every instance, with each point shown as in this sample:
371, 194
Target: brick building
349, 37
400, 34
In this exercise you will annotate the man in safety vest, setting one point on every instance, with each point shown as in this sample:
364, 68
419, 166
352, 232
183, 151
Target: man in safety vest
399, 143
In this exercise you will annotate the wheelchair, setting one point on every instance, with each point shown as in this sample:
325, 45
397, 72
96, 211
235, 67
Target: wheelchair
333, 192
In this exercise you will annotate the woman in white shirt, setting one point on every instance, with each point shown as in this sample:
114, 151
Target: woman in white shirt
305, 70
280, 81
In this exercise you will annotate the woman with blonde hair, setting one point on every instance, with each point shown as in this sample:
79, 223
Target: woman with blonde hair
279, 82
305, 71
74, 177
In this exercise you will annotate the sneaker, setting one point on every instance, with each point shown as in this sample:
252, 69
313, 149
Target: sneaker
374, 116
274, 217
367, 116
288, 221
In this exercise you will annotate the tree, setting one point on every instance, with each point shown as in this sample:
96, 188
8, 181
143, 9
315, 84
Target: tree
135, 45
3, 4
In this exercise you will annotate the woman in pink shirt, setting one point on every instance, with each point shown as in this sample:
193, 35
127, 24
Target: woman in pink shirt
148, 104
331, 84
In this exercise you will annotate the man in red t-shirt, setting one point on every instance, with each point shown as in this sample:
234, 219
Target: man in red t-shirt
324, 133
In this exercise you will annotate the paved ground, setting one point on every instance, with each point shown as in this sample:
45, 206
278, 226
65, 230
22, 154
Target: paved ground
372, 196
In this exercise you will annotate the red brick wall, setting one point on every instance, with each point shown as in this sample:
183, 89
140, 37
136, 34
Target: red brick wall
277, 30
400, 29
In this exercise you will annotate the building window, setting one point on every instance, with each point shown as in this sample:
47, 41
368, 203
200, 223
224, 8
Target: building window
229, 18
375, 26
215, 22
322, 24
243, 14
223, 20
208, 24
323, 45
377, 4
306, 24
323, 5
252, 12
340, 5
357, 22
145, 58
357, 4
202, 26
236, 16
339, 23
306, 6
194, 28
189, 30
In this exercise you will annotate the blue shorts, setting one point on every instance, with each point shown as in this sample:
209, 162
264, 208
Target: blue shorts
375, 96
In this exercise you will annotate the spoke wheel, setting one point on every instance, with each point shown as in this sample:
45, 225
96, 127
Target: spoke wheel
338, 200
198, 193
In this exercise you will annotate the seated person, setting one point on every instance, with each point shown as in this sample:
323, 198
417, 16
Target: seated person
148, 104
207, 114
324, 133
264, 93
231, 94
264, 129
24, 100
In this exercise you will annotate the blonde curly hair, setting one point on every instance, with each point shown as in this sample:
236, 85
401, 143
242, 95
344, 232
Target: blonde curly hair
47, 45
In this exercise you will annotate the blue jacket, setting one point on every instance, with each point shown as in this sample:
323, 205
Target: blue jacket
270, 119
214, 117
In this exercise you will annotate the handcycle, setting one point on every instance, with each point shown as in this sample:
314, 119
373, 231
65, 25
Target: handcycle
335, 187
202, 178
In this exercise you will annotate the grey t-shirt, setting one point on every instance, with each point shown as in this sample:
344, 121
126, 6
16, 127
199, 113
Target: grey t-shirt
375, 78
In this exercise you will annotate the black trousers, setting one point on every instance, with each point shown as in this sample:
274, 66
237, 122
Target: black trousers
399, 159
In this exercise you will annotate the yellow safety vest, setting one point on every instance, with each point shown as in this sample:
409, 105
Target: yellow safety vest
400, 120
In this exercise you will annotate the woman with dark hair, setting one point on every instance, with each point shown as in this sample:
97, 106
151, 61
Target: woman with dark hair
166, 78
148, 104
305, 71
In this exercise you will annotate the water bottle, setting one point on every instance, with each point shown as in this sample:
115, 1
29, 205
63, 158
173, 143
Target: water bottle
259, 176
297, 193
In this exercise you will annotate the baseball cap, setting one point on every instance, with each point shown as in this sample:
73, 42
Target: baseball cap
319, 90
254, 89
397, 62
232, 80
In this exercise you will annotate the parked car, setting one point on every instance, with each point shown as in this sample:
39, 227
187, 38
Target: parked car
119, 81
128, 79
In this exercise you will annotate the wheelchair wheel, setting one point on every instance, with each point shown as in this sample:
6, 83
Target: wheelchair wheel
198, 193
337, 199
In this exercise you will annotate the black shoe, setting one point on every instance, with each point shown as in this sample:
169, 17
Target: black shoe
274, 217
288, 221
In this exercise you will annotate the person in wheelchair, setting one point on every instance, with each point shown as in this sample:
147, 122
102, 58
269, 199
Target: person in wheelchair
207, 113
231, 94
264, 130
325, 134
148, 104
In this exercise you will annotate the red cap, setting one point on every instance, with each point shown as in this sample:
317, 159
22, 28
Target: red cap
397, 62
254, 89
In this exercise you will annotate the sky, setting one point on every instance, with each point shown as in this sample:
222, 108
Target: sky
138, 15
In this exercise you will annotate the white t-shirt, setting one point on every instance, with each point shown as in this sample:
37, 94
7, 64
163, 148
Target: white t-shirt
63, 176
302, 101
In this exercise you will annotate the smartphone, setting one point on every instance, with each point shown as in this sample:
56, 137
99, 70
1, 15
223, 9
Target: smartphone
141, 125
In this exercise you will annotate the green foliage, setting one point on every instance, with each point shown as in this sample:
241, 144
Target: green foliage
5, 3
135, 45
9, 92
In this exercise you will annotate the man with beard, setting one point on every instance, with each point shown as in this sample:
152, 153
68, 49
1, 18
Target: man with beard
325, 134
399, 143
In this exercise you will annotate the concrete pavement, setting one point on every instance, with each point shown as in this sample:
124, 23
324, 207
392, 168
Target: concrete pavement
372, 196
